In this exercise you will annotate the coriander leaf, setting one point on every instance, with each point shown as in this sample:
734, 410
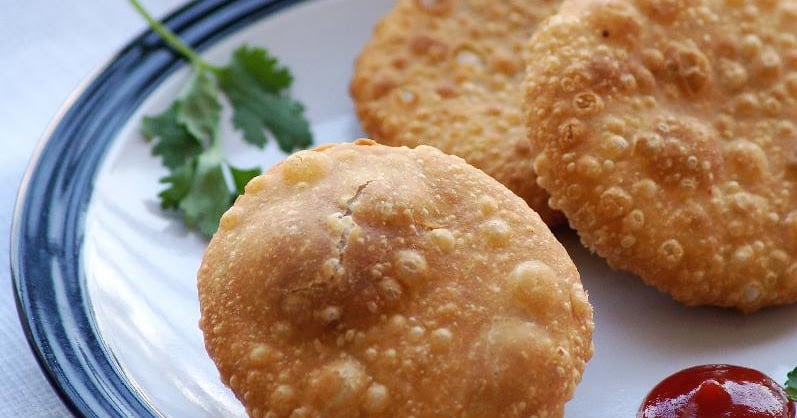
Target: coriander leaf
791, 385
199, 110
242, 176
258, 103
263, 68
200, 191
281, 115
179, 182
174, 143
207, 196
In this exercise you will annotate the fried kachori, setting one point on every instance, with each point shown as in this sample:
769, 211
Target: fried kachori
449, 73
666, 134
364, 280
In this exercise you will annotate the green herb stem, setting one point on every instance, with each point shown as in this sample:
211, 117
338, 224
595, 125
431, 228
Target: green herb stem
172, 39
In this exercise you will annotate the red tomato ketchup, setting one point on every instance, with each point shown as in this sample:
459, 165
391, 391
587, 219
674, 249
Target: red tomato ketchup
717, 391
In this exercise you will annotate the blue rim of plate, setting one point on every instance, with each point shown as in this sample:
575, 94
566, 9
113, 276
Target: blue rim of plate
47, 231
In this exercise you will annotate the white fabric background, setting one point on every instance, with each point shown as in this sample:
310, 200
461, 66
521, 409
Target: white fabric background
47, 48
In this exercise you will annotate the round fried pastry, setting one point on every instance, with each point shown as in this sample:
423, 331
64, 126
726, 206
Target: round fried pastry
448, 73
361, 280
666, 134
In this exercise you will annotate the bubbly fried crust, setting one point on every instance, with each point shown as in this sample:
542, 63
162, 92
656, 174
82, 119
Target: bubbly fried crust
448, 73
360, 280
666, 134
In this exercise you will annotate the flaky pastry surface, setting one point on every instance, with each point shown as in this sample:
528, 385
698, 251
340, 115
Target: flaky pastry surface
666, 133
448, 73
359, 280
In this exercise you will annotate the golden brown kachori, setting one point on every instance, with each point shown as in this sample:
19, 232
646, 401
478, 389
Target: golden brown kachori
666, 134
448, 73
360, 280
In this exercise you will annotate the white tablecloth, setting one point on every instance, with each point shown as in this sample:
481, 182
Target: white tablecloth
47, 48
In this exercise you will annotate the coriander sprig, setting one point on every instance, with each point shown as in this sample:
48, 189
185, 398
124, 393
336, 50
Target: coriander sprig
202, 183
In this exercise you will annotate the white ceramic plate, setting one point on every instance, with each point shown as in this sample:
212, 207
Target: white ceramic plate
130, 267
